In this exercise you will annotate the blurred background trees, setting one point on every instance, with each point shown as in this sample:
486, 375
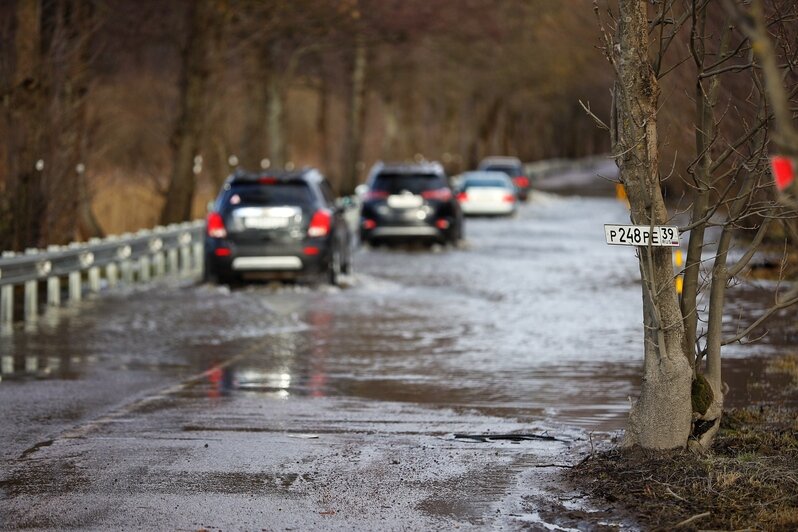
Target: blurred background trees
118, 114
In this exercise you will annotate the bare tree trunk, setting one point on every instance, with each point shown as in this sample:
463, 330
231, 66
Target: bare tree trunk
357, 100
253, 146
785, 133
188, 130
26, 130
81, 22
661, 417
276, 122
322, 122
391, 129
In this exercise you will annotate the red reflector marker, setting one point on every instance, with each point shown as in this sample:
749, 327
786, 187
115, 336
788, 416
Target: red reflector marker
521, 181
311, 250
369, 224
783, 171
320, 224
215, 226
442, 224
222, 252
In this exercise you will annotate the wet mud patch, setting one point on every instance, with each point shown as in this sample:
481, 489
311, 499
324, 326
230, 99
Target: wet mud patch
45, 477
222, 482
748, 481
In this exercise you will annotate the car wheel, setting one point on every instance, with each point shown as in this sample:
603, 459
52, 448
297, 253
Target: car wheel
334, 270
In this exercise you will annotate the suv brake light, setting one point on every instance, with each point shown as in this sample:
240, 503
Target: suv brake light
521, 181
215, 226
375, 195
462, 196
320, 224
440, 194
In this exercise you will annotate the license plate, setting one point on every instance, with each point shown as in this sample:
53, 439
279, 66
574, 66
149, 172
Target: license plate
404, 201
265, 223
641, 235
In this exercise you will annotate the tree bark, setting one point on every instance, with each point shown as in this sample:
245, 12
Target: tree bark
26, 130
276, 122
253, 146
356, 111
188, 129
661, 417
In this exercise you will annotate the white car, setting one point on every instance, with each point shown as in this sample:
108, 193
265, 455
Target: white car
484, 193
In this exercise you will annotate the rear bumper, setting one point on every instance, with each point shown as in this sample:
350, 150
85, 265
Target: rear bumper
266, 261
405, 233
487, 209
288, 263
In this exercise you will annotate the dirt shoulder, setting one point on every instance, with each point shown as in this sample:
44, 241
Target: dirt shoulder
748, 481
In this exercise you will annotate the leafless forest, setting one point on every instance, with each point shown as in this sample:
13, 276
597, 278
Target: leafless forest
118, 114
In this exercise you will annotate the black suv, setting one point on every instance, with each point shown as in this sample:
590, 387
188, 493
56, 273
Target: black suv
277, 225
410, 202
513, 167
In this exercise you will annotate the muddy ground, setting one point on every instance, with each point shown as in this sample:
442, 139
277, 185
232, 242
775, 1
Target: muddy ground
441, 389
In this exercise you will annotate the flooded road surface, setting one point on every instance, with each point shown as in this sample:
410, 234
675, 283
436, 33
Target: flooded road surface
278, 407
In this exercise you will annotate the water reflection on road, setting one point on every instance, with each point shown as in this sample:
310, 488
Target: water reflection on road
534, 319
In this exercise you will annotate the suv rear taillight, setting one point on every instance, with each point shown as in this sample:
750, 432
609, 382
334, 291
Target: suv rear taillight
462, 196
521, 181
320, 224
440, 194
215, 226
372, 195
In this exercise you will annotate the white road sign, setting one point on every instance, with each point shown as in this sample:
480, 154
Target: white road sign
642, 235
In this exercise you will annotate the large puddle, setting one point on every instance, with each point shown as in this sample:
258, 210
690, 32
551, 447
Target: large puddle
535, 319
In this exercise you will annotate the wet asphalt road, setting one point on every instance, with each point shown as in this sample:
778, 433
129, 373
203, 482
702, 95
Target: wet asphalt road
185, 406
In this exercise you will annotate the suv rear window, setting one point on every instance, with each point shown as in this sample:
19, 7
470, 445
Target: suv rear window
272, 195
414, 183
486, 182
510, 170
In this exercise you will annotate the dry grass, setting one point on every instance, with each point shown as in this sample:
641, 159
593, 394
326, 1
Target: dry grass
749, 481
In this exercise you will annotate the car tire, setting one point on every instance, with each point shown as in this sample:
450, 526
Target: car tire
334, 268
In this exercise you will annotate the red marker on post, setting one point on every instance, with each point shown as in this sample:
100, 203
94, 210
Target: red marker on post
783, 171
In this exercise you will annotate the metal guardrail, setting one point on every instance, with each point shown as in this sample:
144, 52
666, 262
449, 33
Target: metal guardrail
176, 249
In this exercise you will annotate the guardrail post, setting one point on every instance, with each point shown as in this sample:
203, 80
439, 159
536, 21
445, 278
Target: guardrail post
185, 260
94, 280
144, 269
112, 274
31, 300
159, 264
127, 271
75, 288
6, 305
198, 258
173, 262
53, 291
6, 364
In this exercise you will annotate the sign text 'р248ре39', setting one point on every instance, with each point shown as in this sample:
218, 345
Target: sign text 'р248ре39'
642, 235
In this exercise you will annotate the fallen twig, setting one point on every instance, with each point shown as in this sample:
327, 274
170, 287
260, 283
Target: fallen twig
690, 520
